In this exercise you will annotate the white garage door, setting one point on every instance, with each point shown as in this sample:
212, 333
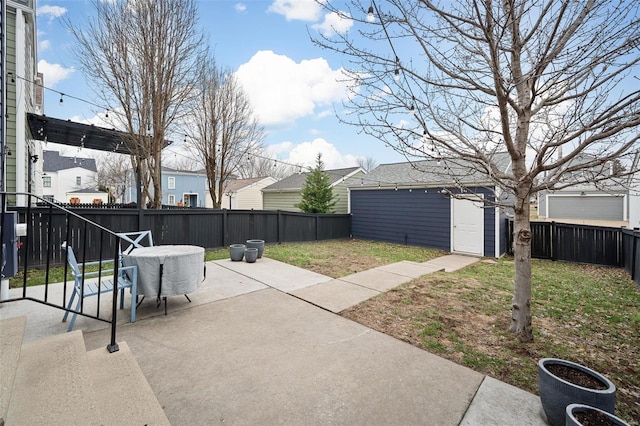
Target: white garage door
468, 227
586, 207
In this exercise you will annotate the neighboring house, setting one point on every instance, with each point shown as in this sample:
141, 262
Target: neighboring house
608, 200
88, 196
411, 203
62, 175
184, 188
22, 160
285, 194
245, 194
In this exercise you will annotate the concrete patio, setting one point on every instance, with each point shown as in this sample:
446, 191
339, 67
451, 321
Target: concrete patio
260, 344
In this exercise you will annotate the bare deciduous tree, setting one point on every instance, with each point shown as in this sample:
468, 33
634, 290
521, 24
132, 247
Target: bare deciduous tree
367, 163
259, 164
142, 57
222, 129
550, 82
114, 174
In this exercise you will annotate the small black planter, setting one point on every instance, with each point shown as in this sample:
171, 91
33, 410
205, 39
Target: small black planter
574, 409
250, 254
556, 394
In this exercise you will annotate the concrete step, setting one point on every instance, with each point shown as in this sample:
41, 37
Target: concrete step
11, 336
53, 385
125, 395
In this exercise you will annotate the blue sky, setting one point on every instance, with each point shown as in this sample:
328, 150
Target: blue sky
292, 83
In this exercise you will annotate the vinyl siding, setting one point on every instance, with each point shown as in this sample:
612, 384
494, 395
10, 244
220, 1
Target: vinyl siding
342, 195
247, 199
288, 200
420, 217
184, 184
11, 102
281, 201
413, 218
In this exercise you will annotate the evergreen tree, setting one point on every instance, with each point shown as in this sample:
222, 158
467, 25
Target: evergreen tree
317, 194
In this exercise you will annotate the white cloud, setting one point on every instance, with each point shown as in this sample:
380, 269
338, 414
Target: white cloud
240, 7
305, 154
298, 10
51, 11
44, 45
282, 90
333, 23
53, 73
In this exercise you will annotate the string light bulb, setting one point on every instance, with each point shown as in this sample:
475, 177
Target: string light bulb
61, 100
371, 17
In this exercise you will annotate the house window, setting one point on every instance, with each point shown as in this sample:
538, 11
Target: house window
171, 200
78, 180
48, 198
172, 183
46, 181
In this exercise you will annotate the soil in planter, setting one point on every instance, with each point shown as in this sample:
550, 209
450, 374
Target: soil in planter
577, 377
593, 418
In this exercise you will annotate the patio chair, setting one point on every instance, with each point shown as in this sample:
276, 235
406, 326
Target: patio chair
85, 285
134, 240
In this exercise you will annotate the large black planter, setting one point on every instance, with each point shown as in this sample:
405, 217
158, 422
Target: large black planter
556, 394
574, 409
236, 252
259, 244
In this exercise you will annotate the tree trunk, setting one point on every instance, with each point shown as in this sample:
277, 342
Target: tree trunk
521, 304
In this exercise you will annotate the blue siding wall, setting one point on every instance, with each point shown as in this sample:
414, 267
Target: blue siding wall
413, 217
192, 184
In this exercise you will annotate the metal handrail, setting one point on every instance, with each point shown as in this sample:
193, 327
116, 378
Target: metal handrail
74, 237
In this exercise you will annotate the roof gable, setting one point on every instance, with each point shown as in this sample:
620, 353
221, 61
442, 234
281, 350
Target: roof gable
239, 184
433, 172
296, 181
54, 162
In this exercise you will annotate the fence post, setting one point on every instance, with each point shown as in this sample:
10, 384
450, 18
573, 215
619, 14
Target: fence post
280, 227
225, 228
634, 251
554, 240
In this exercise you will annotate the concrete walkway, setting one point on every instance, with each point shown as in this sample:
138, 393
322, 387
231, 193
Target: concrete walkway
249, 349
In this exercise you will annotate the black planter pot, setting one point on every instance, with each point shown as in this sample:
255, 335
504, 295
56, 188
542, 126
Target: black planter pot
259, 244
251, 254
236, 252
556, 394
574, 409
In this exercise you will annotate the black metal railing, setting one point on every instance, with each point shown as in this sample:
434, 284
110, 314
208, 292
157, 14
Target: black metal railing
47, 228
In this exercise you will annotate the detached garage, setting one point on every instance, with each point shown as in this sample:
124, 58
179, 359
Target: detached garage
418, 204
585, 205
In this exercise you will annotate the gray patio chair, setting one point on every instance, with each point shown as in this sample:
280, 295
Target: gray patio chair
85, 286
131, 240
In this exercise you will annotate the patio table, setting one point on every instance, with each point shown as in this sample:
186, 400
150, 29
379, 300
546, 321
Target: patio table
167, 270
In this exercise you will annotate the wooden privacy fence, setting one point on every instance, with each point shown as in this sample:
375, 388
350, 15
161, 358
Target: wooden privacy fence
202, 227
584, 244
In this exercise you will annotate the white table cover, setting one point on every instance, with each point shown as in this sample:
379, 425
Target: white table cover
183, 269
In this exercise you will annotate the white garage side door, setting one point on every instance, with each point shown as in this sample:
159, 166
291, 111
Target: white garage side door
468, 227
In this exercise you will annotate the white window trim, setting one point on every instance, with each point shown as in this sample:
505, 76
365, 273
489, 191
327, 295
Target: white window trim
171, 199
171, 182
